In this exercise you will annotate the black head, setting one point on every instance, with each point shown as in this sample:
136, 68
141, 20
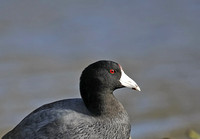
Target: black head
99, 76
101, 79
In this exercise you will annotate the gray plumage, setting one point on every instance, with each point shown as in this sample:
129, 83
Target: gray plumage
70, 119
104, 118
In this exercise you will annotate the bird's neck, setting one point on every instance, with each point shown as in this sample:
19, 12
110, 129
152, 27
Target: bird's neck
104, 104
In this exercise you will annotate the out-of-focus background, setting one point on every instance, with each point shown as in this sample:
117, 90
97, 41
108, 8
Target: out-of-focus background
45, 45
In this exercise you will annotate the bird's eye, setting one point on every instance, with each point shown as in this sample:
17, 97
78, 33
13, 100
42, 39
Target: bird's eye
112, 71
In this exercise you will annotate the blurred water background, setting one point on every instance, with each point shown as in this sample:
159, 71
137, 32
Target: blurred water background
45, 45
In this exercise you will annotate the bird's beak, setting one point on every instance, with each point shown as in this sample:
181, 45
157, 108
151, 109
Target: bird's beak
128, 82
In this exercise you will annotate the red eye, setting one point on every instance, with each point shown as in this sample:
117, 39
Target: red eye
112, 71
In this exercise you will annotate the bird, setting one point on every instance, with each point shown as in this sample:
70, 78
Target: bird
96, 115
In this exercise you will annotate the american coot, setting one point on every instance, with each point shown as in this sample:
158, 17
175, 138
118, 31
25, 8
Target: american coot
97, 115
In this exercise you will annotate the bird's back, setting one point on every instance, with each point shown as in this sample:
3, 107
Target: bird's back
69, 119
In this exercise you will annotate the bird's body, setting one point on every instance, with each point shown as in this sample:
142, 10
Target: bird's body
98, 115
63, 115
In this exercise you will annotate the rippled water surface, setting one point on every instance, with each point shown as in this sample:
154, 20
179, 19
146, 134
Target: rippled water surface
44, 46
